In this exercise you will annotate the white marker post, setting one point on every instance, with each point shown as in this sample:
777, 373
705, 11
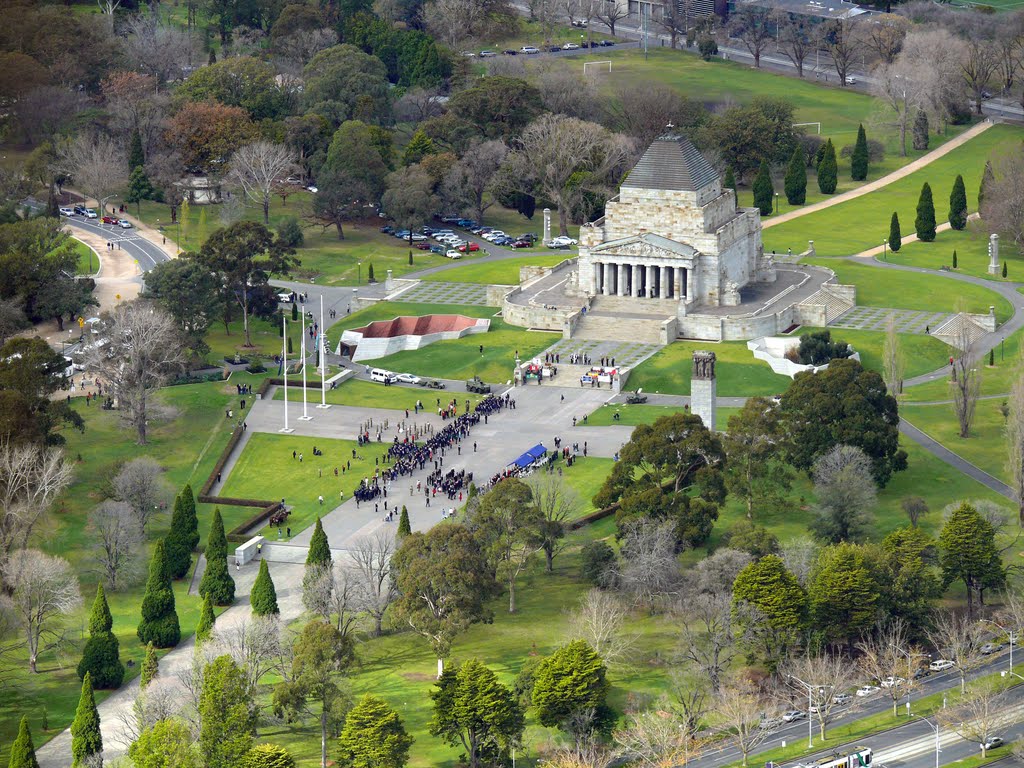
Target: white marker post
284, 369
322, 340
305, 415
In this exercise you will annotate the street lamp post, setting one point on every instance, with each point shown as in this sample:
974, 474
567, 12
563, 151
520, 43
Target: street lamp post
359, 273
910, 673
885, 243
1011, 634
776, 203
935, 728
810, 725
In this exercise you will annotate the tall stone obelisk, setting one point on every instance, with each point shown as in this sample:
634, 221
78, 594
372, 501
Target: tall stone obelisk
703, 388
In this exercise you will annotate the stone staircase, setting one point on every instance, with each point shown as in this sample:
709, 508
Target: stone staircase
607, 326
628, 305
835, 306
959, 331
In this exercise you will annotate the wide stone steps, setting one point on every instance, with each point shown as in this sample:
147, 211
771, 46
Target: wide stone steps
663, 308
835, 306
959, 331
613, 327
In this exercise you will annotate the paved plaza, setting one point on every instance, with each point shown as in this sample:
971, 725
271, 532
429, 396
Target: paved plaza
875, 319
445, 293
627, 354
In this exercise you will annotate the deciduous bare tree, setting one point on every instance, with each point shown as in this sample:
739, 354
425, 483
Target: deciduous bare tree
648, 570
800, 555
558, 503
644, 113
796, 39
371, 558
1004, 197
980, 714
599, 618
255, 645
654, 739
980, 62
753, 25
885, 35
843, 39
1015, 439
896, 87
934, 55
827, 676
158, 48
706, 641
158, 701
143, 352
745, 714
119, 543
959, 640
966, 382
566, 92
96, 166
888, 653
714, 575
455, 21
141, 485
894, 362
333, 594
42, 589
298, 49
469, 180
610, 13
846, 494
31, 478
258, 169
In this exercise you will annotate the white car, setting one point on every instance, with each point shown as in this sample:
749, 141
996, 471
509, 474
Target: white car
124, 224
67, 211
851, 80
493, 235
990, 648
312, 188
453, 254
416, 238
892, 682
842, 698
570, 47
408, 378
793, 715
529, 49
294, 180
285, 298
561, 242
941, 665
91, 214
867, 690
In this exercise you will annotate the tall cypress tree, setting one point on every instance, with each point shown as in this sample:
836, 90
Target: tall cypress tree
763, 190
183, 537
207, 620
136, 157
828, 171
23, 752
319, 548
404, 528
216, 581
924, 223
895, 236
263, 597
159, 624
730, 179
101, 655
958, 204
988, 176
86, 739
859, 158
796, 177
150, 666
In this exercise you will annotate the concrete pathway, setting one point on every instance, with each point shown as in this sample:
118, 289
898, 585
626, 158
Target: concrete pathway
877, 184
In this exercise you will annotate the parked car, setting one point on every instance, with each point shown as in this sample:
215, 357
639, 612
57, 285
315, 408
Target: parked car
437, 249
79, 210
528, 236
510, 52
992, 742
553, 49
388, 230
64, 211
492, 235
402, 234
851, 80
109, 220
561, 242
465, 223
842, 698
793, 715
408, 378
521, 244
124, 224
579, 23
989, 648
416, 237
451, 253
867, 690
423, 246
294, 180
89, 213
313, 188
941, 665
892, 682
529, 49
469, 247
487, 54
606, 43
571, 47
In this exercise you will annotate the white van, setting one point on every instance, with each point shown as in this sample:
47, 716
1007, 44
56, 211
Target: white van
379, 374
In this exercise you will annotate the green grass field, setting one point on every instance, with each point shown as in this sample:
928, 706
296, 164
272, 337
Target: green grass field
88, 261
971, 246
668, 371
898, 289
995, 380
863, 223
369, 394
634, 415
986, 445
923, 353
504, 272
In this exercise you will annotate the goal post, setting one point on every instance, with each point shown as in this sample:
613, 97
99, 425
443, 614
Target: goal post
803, 125
597, 66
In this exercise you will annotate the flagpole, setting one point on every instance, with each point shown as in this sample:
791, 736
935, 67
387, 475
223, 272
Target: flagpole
284, 370
305, 415
322, 339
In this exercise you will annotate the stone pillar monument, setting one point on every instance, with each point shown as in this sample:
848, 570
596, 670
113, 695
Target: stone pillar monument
547, 226
993, 254
703, 388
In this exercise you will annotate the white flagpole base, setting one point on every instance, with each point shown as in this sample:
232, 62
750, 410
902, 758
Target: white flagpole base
324, 406
286, 429
305, 418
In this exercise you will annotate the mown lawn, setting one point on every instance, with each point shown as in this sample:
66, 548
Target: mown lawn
504, 272
971, 246
668, 371
634, 415
88, 261
899, 289
923, 354
985, 446
863, 223
995, 380
371, 394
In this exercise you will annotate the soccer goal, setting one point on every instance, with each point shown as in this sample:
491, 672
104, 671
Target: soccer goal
804, 125
597, 66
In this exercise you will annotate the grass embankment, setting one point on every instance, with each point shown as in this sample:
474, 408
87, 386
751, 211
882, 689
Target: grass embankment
923, 354
971, 246
995, 380
504, 272
668, 371
985, 445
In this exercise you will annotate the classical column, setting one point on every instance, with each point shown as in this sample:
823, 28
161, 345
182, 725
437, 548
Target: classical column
680, 284
666, 282
690, 287
652, 282
595, 279
623, 279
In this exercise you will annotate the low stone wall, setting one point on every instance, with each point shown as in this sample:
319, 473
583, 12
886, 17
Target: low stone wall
532, 272
725, 328
496, 294
279, 552
535, 317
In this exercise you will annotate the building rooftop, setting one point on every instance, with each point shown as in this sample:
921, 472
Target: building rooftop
671, 162
822, 9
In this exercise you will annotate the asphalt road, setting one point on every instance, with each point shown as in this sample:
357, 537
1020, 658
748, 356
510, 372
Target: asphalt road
140, 249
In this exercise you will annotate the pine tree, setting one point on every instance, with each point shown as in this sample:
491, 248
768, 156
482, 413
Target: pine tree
136, 157
796, 177
290, 350
319, 548
988, 177
139, 188
369, 275
183, 537
86, 739
895, 236
730, 179
263, 597
23, 753
101, 655
404, 528
295, 312
955, 265
268, 756
150, 666
859, 158
410, 258
216, 581
419, 146
1004, 269
763, 190
207, 620
958, 204
828, 171
920, 131
991, 357
924, 224
374, 736
159, 624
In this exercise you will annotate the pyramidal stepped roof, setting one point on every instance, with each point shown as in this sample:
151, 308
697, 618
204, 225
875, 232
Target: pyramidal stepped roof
671, 162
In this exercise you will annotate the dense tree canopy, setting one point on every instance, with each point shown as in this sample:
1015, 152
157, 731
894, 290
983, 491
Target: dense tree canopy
240, 81
343, 83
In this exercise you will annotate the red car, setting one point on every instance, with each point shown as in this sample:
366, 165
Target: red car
109, 220
422, 246
521, 244
469, 247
